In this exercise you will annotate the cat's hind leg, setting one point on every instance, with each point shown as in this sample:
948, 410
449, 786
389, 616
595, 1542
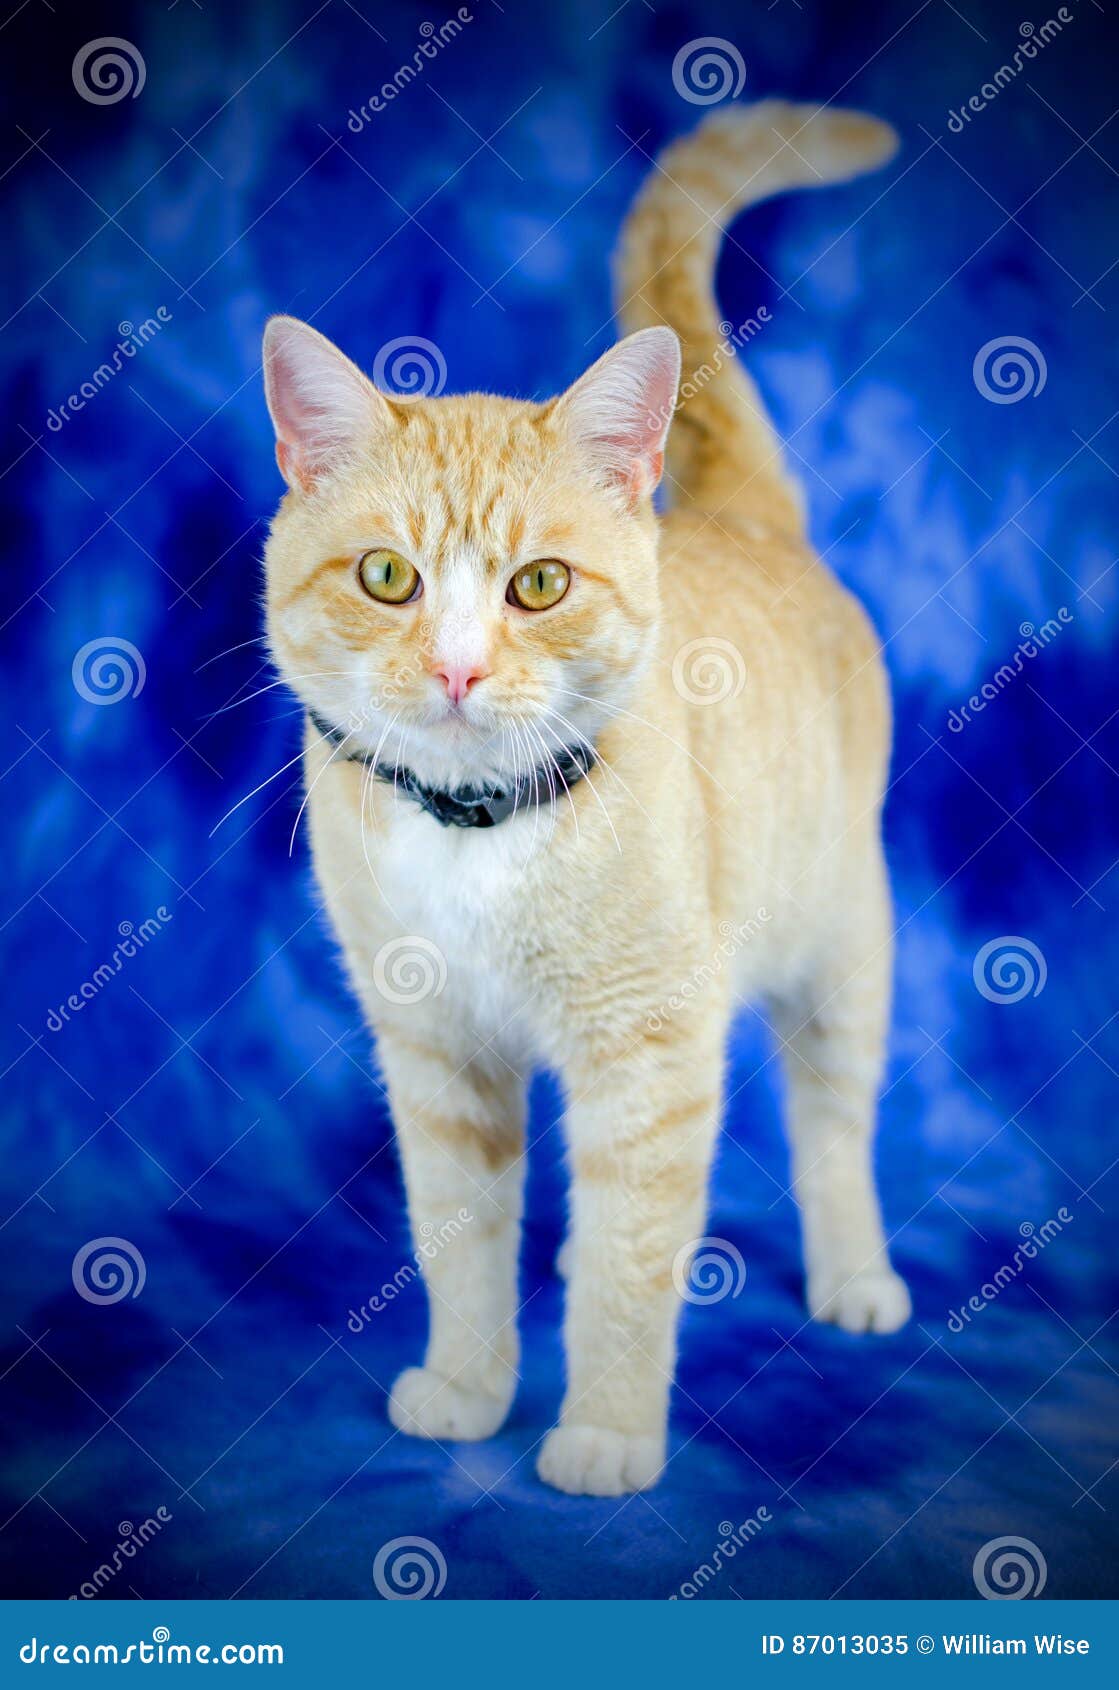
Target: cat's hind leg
833, 1033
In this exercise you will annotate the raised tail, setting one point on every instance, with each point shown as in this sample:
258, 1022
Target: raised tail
721, 439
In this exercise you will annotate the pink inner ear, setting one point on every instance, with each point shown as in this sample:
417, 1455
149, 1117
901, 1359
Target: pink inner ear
321, 404
621, 409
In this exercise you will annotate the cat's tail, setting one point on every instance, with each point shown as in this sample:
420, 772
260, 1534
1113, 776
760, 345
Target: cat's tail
721, 439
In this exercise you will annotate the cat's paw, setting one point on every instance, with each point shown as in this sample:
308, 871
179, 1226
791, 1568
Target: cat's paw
875, 1300
426, 1405
593, 1461
563, 1259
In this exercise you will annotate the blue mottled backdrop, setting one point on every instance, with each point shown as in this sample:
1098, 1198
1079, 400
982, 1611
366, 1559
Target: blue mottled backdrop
211, 1100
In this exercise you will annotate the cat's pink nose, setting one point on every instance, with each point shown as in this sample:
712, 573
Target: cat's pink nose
458, 678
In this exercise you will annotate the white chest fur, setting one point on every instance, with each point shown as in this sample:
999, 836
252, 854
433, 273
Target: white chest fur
462, 890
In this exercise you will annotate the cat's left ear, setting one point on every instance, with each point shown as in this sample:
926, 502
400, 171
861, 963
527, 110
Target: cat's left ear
619, 411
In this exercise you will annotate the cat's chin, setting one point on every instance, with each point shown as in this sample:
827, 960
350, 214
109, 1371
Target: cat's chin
452, 754
453, 747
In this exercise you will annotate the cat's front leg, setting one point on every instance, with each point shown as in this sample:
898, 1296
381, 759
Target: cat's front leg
460, 1129
641, 1125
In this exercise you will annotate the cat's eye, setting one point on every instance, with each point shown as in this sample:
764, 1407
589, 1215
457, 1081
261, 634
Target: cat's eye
539, 585
388, 577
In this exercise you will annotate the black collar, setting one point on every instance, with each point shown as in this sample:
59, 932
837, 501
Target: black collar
470, 806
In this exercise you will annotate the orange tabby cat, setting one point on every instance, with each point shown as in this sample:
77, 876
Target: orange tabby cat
556, 751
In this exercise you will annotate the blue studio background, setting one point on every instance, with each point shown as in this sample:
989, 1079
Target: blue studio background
214, 1103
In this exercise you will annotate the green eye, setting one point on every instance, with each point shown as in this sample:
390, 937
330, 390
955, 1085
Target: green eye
540, 585
388, 577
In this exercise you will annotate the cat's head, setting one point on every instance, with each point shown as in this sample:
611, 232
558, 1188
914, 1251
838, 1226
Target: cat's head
465, 583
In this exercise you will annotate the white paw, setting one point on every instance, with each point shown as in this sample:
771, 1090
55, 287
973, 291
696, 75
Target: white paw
875, 1300
426, 1405
563, 1259
592, 1461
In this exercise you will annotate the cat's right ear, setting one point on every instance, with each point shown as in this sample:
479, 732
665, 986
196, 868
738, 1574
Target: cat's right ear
321, 405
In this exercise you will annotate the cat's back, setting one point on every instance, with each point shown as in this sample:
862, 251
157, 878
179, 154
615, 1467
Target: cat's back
758, 626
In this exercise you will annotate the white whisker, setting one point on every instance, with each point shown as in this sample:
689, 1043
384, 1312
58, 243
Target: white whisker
257, 639
266, 782
553, 764
616, 710
314, 783
283, 681
369, 775
599, 760
594, 790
